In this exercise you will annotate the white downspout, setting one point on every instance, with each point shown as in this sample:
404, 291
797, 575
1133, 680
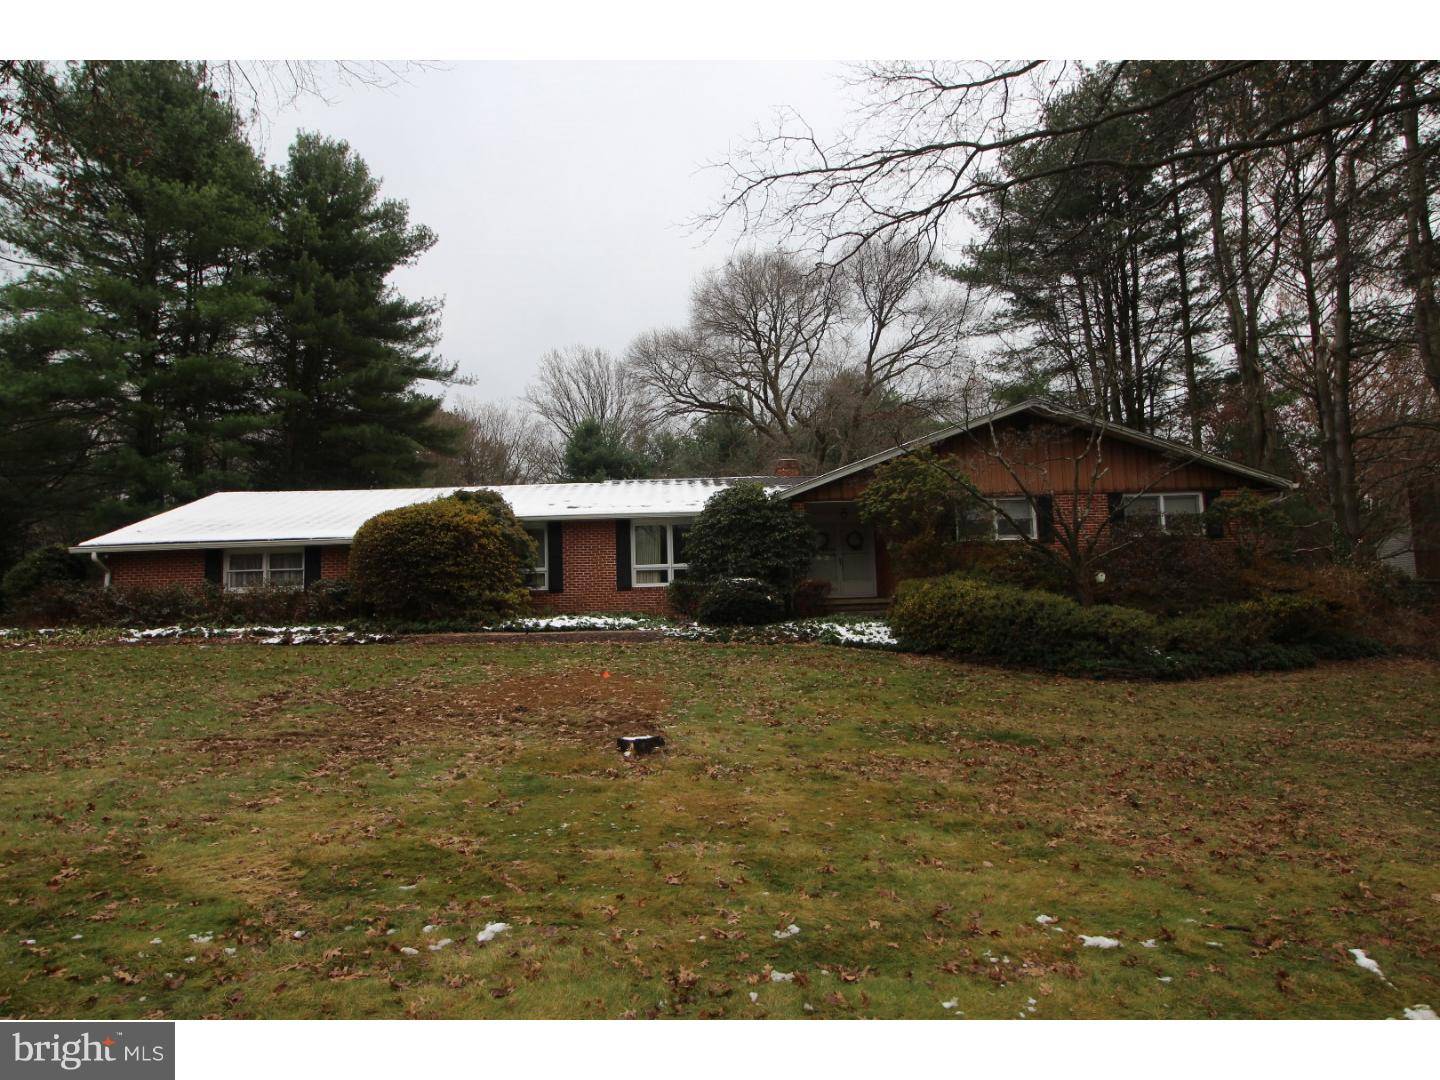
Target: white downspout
95, 555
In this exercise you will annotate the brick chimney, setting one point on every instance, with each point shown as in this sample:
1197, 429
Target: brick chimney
786, 466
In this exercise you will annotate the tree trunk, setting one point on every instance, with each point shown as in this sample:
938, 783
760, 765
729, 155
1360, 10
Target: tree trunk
1420, 242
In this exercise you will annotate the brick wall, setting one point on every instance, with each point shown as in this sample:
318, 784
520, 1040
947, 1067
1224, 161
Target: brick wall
589, 572
335, 561
589, 577
150, 569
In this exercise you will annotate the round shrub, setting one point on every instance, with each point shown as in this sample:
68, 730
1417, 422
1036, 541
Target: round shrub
451, 558
744, 533
739, 602
45, 569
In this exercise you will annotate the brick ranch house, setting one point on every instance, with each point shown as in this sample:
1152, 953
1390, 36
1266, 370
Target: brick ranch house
614, 546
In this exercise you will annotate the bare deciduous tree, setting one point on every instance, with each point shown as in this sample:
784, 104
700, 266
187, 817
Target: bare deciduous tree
824, 363
579, 383
760, 327
496, 445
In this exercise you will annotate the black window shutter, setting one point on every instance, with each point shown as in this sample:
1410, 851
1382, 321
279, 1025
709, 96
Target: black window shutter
622, 553
1117, 506
312, 566
555, 556
1045, 518
214, 565
1214, 527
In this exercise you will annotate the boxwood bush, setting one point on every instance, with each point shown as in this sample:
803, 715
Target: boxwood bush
451, 558
739, 602
964, 617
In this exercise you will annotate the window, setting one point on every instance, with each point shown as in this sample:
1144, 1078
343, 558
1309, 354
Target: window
253, 569
537, 577
1021, 513
1163, 507
657, 552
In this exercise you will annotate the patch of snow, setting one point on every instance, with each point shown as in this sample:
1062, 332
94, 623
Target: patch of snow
1149, 943
870, 633
491, 930
1046, 920
428, 928
1166, 978
198, 939
408, 951
265, 635
754, 997
858, 633
782, 976
1369, 965
298, 934
950, 1004
1214, 944
1099, 942
76, 937
789, 932
229, 950
440, 944
577, 622
156, 941
1421, 1012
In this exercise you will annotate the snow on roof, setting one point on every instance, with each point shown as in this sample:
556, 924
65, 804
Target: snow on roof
256, 517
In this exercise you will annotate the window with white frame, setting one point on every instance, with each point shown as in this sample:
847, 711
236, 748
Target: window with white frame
1021, 519
537, 577
657, 552
255, 569
1161, 508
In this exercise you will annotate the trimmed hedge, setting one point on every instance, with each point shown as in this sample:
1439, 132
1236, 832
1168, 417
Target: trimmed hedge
168, 605
963, 617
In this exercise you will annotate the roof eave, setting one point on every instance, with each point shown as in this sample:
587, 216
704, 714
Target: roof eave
1056, 412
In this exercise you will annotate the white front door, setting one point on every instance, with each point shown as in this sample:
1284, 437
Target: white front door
844, 556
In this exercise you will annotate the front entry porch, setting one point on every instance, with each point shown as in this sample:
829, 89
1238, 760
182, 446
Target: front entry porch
849, 556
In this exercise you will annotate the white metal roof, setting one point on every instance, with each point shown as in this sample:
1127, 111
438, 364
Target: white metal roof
268, 517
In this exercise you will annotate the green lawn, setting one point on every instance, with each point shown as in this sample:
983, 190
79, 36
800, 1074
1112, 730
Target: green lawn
911, 816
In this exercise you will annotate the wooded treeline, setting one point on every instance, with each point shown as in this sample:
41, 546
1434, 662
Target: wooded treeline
1239, 255
176, 318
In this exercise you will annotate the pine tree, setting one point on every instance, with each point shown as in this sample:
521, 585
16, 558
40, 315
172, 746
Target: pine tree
130, 326
343, 352
597, 451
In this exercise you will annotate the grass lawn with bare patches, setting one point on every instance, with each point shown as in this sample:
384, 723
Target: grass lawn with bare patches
307, 814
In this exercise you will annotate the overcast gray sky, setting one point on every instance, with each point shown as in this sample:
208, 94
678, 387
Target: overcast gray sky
559, 191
